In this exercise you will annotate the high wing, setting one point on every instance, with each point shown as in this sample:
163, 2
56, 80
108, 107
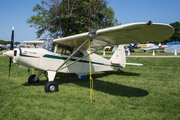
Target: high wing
122, 34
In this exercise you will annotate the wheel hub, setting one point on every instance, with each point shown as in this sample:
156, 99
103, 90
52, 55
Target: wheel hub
52, 88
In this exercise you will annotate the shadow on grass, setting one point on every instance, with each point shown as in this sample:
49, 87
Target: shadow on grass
99, 85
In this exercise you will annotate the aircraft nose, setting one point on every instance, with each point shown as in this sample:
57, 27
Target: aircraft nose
9, 53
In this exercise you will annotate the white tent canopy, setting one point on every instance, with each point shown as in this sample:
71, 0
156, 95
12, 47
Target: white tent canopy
172, 49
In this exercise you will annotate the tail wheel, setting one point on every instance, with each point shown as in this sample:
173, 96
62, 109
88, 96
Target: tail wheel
31, 79
51, 87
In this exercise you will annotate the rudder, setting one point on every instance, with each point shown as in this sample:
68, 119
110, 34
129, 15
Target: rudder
119, 57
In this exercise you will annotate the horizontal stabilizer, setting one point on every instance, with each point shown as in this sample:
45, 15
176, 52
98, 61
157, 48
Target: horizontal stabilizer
21, 66
138, 64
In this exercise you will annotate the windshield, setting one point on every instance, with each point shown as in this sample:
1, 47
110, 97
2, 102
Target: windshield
48, 45
61, 49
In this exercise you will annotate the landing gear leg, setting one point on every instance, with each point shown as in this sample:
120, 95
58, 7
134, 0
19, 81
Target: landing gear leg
35, 78
51, 86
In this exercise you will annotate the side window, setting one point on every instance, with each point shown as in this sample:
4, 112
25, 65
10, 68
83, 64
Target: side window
79, 54
64, 50
59, 49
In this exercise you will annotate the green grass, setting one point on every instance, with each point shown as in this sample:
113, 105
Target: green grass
1, 52
138, 52
141, 92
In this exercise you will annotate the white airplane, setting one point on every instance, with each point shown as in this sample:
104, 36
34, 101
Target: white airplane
70, 54
148, 46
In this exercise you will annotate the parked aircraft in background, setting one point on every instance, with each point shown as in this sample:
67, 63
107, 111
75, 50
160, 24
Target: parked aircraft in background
2, 48
32, 44
148, 46
107, 48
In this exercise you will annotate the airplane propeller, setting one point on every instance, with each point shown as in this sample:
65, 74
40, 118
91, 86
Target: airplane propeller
11, 48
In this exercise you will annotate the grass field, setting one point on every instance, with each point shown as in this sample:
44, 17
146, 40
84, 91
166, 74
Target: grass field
1, 52
141, 92
138, 52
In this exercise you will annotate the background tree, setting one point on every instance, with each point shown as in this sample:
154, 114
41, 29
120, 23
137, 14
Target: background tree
176, 35
42, 39
3, 42
17, 43
69, 17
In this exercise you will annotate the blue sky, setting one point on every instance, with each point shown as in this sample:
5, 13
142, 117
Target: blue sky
15, 13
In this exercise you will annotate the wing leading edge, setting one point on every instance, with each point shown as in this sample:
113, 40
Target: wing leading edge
122, 34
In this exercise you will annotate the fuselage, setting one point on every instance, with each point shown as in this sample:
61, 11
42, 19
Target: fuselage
45, 60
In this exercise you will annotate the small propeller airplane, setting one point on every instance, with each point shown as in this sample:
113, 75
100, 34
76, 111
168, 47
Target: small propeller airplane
148, 46
70, 54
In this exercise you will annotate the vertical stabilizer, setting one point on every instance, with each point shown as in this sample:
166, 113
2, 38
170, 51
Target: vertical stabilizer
119, 57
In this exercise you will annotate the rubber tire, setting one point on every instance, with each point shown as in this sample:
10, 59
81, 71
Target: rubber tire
51, 84
31, 79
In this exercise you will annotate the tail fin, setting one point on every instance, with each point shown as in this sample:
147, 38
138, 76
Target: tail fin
119, 57
131, 45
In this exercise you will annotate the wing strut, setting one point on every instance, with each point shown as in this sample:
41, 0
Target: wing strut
73, 54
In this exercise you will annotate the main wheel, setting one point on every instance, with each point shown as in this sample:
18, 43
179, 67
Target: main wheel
31, 79
51, 87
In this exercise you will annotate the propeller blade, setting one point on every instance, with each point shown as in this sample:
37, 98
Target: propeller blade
10, 61
11, 48
12, 39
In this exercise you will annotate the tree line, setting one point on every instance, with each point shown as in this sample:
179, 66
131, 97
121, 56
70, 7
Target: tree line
61, 18
176, 35
3, 42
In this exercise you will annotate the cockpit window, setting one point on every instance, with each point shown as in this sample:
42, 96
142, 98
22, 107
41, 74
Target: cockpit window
48, 45
61, 49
